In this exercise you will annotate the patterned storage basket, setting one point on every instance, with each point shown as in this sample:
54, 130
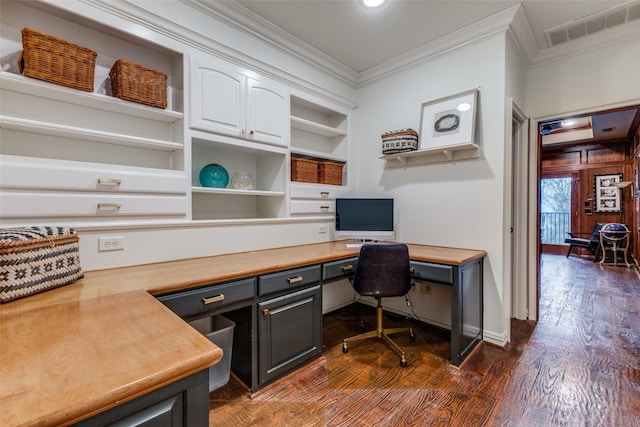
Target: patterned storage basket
399, 141
56, 60
140, 84
35, 259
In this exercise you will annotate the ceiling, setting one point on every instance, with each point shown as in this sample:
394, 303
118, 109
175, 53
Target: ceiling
361, 39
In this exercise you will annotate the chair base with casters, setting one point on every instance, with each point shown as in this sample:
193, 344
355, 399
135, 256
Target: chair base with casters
382, 334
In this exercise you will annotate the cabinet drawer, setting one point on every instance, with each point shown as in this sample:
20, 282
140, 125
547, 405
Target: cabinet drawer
289, 279
202, 300
316, 191
338, 269
313, 207
46, 174
29, 205
432, 272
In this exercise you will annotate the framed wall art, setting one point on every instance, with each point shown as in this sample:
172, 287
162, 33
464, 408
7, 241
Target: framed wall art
606, 193
449, 121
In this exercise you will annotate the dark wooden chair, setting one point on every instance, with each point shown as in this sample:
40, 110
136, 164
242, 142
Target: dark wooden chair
592, 244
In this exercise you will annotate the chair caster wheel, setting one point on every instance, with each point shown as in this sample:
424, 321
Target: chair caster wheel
403, 362
345, 349
363, 326
412, 336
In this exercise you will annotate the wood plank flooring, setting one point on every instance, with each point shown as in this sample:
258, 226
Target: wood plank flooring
579, 365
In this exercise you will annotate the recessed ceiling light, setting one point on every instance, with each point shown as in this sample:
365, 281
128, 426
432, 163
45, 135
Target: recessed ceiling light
372, 3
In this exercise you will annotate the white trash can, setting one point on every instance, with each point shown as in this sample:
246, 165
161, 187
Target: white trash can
219, 330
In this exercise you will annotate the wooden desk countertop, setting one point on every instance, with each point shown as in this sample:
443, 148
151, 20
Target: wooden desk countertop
75, 351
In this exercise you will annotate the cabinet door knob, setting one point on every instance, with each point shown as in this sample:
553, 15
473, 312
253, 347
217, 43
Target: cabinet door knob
295, 279
265, 312
109, 181
211, 300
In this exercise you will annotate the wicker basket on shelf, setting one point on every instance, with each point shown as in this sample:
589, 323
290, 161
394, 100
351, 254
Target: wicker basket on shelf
330, 173
304, 170
55, 60
140, 84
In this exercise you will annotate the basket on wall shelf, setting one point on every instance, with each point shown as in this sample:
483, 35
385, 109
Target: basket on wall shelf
55, 60
304, 170
330, 173
137, 83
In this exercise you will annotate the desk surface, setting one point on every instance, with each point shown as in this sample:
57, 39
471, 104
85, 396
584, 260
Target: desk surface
71, 352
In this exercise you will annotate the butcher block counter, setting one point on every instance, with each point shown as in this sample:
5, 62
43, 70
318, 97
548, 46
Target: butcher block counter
73, 352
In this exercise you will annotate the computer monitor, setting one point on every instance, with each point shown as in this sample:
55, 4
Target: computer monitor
364, 219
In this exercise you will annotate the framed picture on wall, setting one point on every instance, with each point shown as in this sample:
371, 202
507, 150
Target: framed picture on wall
606, 193
449, 121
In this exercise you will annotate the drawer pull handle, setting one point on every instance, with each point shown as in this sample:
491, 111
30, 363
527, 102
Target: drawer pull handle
265, 312
324, 208
109, 181
111, 206
295, 279
250, 132
324, 194
213, 299
347, 267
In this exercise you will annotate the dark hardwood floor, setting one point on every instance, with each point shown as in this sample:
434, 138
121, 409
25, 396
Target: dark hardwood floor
578, 366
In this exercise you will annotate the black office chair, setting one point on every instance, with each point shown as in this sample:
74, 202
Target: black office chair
382, 271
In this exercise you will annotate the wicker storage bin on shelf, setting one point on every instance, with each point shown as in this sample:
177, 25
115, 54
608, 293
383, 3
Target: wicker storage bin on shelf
330, 173
304, 170
140, 84
35, 259
57, 61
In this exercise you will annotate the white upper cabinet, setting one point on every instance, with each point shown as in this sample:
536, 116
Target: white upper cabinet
226, 100
75, 157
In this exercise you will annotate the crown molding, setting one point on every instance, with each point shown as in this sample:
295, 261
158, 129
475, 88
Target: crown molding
237, 16
608, 37
480, 30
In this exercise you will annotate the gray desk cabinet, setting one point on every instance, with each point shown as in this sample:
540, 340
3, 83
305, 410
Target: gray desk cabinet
289, 321
182, 403
466, 286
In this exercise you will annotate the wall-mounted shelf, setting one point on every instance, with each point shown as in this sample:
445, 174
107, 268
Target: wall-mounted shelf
432, 155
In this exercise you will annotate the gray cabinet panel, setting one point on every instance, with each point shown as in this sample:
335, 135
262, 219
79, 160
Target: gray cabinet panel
290, 332
339, 269
202, 300
289, 279
437, 273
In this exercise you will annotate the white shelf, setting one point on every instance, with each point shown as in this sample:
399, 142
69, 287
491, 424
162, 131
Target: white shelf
432, 155
237, 192
84, 134
42, 89
316, 128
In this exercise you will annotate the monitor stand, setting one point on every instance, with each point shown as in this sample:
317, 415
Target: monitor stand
357, 243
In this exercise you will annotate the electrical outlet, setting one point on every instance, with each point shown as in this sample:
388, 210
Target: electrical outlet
111, 243
425, 289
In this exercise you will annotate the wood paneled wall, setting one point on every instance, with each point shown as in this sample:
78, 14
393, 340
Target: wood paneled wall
588, 160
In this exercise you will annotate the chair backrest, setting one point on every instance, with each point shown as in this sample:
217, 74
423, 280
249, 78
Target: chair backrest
595, 236
383, 270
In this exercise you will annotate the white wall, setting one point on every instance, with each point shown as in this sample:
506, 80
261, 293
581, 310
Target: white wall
601, 77
460, 203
